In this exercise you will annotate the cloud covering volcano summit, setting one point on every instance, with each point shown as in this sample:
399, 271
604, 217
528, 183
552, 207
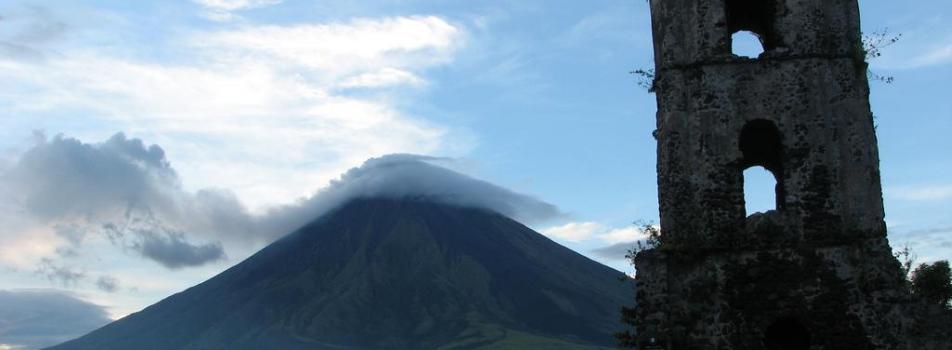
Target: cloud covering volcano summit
404, 176
128, 193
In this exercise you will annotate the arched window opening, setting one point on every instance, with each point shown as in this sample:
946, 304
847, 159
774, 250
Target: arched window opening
755, 17
760, 190
787, 334
746, 44
762, 150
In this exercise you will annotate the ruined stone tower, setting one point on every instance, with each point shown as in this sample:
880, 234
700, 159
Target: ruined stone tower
817, 272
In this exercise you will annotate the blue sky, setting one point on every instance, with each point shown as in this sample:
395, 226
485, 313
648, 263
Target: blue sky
268, 100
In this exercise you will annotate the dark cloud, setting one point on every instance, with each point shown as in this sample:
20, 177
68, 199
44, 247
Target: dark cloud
129, 192
173, 251
107, 284
154, 239
59, 273
122, 188
64, 177
615, 251
34, 319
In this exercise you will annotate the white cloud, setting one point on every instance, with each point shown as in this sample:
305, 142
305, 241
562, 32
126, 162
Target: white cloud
622, 235
928, 45
253, 109
75, 211
260, 110
404, 176
125, 191
921, 193
583, 231
260, 121
382, 78
23, 240
224, 10
619, 24
21, 247
573, 231
347, 48
232, 5
920, 57
939, 55
27, 30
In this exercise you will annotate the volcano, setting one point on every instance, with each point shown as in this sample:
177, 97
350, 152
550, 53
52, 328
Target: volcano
390, 274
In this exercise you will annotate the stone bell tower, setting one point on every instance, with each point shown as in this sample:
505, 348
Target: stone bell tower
817, 272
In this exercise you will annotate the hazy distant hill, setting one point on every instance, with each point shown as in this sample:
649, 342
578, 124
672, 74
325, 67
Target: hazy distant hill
390, 274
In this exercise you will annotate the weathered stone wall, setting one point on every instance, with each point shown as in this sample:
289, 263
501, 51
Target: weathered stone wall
820, 263
692, 32
845, 297
829, 160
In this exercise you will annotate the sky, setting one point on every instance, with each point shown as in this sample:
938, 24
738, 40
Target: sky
147, 146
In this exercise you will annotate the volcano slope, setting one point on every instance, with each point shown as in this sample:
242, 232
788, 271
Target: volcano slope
390, 274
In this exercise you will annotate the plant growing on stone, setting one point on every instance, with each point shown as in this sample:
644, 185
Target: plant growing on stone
873, 45
651, 241
644, 77
906, 259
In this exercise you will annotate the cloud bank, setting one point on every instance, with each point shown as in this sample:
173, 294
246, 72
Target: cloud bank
127, 193
33, 319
